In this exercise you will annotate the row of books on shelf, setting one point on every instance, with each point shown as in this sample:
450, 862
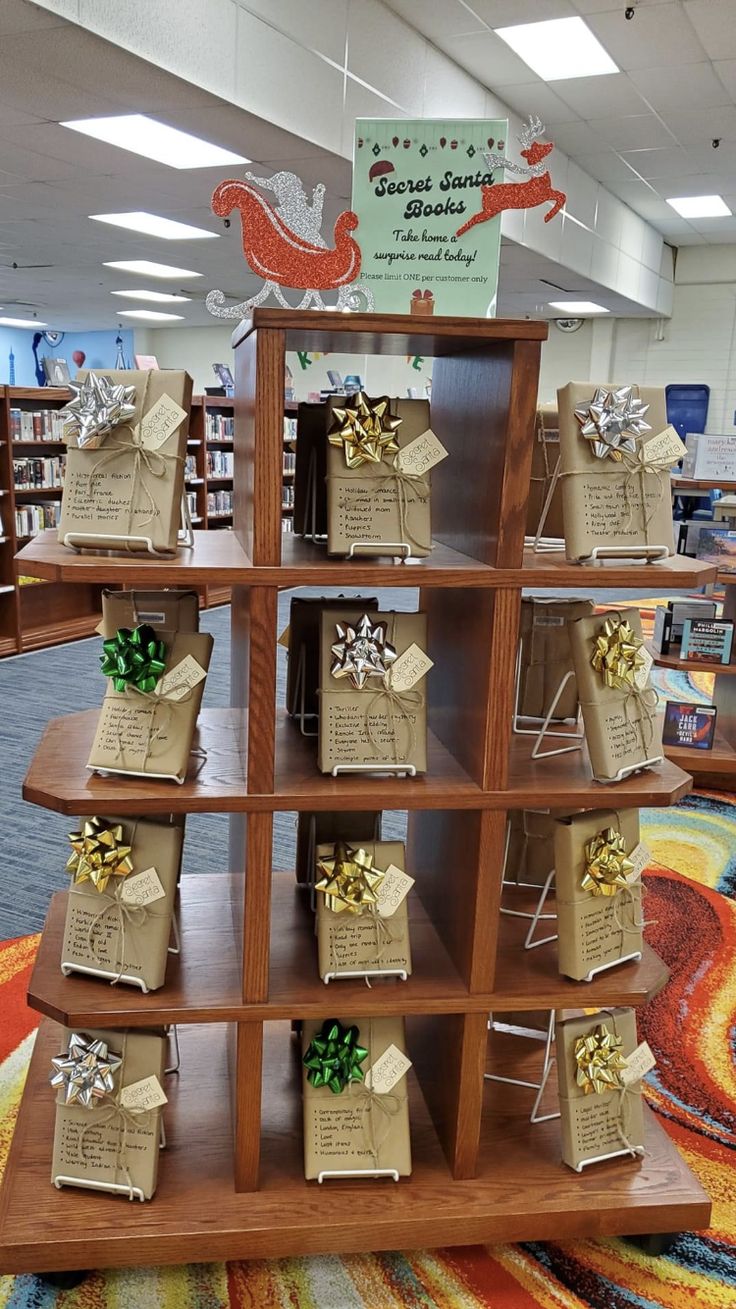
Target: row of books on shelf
287, 525
289, 461
30, 519
220, 463
192, 504
219, 427
219, 502
38, 472
36, 425
190, 466
287, 497
290, 429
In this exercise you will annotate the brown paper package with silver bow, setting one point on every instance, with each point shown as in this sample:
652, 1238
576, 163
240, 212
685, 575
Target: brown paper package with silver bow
545, 656
594, 930
622, 730
118, 940
368, 726
111, 495
367, 503
302, 669
595, 1124
347, 942
348, 1132
147, 736
604, 503
166, 611
88, 1147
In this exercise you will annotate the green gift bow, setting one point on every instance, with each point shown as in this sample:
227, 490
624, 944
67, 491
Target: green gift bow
334, 1057
134, 658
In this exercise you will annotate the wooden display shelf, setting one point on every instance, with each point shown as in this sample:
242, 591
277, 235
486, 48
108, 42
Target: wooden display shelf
386, 334
679, 571
216, 558
58, 631
720, 760
203, 986
681, 485
565, 781
675, 662
522, 1191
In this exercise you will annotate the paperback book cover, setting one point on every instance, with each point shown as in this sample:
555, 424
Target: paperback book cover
707, 640
692, 725
717, 545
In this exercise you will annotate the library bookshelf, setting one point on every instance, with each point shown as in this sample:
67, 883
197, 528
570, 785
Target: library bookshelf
231, 1184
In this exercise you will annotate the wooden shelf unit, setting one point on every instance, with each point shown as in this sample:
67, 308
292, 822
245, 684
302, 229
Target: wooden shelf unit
481, 1171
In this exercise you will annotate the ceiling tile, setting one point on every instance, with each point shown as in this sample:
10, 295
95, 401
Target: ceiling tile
598, 6
661, 35
713, 21
504, 13
697, 126
448, 91
17, 16
606, 165
634, 132
435, 20
726, 71
577, 138
489, 59
673, 162
387, 55
694, 84
539, 98
320, 25
600, 97
306, 95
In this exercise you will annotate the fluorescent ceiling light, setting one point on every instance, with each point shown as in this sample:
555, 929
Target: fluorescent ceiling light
700, 206
156, 297
147, 268
558, 48
21, 322
578, 306
146, 136
152, 314
154, 225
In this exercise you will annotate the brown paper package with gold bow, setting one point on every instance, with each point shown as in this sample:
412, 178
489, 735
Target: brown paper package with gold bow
604, 504
165, 611
594, 1124
109, 496
348, 942
349, 1132
120, 941
92, 1146
622, 729
148, 736
327, 826
546, 657
368, 726
365, 503
594, 930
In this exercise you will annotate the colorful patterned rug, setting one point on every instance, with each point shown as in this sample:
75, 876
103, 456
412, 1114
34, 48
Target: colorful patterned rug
690, 1026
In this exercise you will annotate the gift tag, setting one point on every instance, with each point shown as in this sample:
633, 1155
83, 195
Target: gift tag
642, 673
640, 857
160, 421
388, 1069
141, 1096
410, 668
421, 454
285, 636
180, 679
394, 888
665, 448
638, 1064
142, 889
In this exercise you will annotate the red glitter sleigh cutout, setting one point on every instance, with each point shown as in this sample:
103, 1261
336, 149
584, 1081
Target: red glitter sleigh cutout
283, 244
519, 195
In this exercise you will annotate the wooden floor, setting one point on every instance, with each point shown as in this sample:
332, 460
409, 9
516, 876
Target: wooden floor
523, 1190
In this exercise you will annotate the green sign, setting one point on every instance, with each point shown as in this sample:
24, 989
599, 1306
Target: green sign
415, 183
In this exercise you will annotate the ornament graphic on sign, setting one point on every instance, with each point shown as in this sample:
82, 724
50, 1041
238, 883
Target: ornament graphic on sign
519, 195
283, 244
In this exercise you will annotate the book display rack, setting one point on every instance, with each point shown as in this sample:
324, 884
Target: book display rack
231, 1182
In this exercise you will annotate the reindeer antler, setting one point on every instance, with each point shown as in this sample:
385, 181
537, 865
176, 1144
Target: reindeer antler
530, 131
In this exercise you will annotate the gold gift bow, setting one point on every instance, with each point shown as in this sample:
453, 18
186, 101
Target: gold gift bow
645, 698
124, 1119
410, 490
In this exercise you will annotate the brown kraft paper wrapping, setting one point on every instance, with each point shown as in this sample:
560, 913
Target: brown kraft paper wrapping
313, 829
346, 1132
119, 940
350, 717
597, 509
108, 1147
622, 731
531, 852
302, 675
592, 1124
310, 470
165, 611
105, 501
363, 504
147, 736
546, 656
545, 453
348, 942
594, 929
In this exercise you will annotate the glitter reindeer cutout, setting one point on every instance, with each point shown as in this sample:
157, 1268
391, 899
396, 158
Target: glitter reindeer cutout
519, 195
283, 244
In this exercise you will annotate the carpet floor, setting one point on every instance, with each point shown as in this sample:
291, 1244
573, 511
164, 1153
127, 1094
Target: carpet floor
690, 1027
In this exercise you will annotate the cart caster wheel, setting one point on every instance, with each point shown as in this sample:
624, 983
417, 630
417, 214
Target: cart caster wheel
658, 1243
63, 1281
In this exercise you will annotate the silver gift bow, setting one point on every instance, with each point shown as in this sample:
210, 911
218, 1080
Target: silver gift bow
99, 406
611, 421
